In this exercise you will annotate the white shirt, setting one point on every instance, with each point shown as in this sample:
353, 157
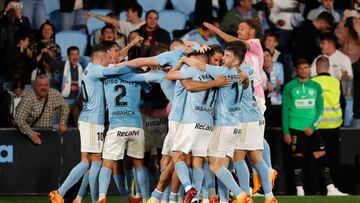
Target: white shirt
339, 63
126, 27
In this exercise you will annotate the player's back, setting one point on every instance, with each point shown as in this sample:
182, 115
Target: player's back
93, 95
199, 106
250, 110
123, 100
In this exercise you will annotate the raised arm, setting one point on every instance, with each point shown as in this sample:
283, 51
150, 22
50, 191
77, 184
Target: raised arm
106, 19
124, 51
197, 86
139, 62
194, 63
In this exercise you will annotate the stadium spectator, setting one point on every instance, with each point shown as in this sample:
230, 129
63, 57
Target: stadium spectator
46, 43
301, 110
71, 83
151, 32
11, 21
340, 64
72, 14
308, 47
203, 35
35, 11
18, 60
11, 101
243, 10
132, 36
331, 119
109, 34
326, 5
356, 96
273, 79
37, 109
271, 41
49, 67
133, 22
205, 10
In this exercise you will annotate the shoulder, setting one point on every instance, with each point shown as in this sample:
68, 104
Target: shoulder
314, 84
54, 93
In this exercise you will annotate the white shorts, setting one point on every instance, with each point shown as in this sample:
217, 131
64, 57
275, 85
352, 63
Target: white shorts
261, 104
222, 141
119, 139
91, 137
252, 136
194, 138
155, 130
169, 139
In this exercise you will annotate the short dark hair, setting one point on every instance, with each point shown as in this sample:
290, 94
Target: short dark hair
72, 48
272, 34
327, 17
107, 26
238, 48
17, 82
210, 20
268, 50
215, 49
47, 22
21, 35
109, 44
134, 6
329, 36
151, 11
158, 49
253, 23
301, 62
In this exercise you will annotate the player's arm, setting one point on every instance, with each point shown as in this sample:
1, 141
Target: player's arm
194, 63
197, 86
286, 101
139, 62
103, 18
124, 51
226, 37
118, 70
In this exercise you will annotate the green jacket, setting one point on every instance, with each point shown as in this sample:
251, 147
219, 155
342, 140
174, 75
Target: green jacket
302, 105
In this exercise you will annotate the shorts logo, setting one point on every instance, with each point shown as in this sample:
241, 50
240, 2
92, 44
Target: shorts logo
155, 123
128, 133
237, 131
262, 122
203, 127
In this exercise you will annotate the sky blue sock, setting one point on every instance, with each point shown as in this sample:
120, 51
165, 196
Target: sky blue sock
243, 175
225, 177
84, 187
197, 179
94, 180
129, 177
137, 186
223, 192
166, 193
74, 176
156, 195
143, 180
266, 154
174, 197
104, 180
209, 181
264, 173
120, 184
183, 173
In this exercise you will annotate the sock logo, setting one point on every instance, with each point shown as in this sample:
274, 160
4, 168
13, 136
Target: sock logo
6, 153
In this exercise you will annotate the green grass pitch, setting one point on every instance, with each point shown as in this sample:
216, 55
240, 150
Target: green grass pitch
117, 199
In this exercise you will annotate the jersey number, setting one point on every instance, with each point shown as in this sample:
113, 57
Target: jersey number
84, 95
207, 95
121, 95
238, 98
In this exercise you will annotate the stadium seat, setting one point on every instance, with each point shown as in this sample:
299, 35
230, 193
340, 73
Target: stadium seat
65, 39
122, 15
171, 20
157, 5
230, 4
84, 61
93, 23
51, 6
186, 7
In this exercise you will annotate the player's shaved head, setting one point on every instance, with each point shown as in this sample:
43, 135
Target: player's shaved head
99, 55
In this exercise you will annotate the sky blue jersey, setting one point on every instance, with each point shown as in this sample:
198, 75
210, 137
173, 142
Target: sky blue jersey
250, 110
170, 57
93, 93
227, 110
199, 106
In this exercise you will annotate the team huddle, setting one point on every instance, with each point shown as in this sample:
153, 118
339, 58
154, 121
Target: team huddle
215, 120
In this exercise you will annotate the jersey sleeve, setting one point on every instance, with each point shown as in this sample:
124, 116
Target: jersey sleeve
187, 73
97, 71
167, 57
216, 71
119, 70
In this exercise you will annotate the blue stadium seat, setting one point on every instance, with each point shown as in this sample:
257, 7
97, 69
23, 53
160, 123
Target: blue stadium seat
122, 15
84, 61
171, 20
157, 5
93, 23
186, 7
65, 39
51, 6
230, 4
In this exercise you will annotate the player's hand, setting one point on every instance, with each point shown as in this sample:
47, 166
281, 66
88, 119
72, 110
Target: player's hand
242, 76
137, 40
287, 139
204, 48
221, 81
35, 137
308, 131
209, 26
89, 15
62, 128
